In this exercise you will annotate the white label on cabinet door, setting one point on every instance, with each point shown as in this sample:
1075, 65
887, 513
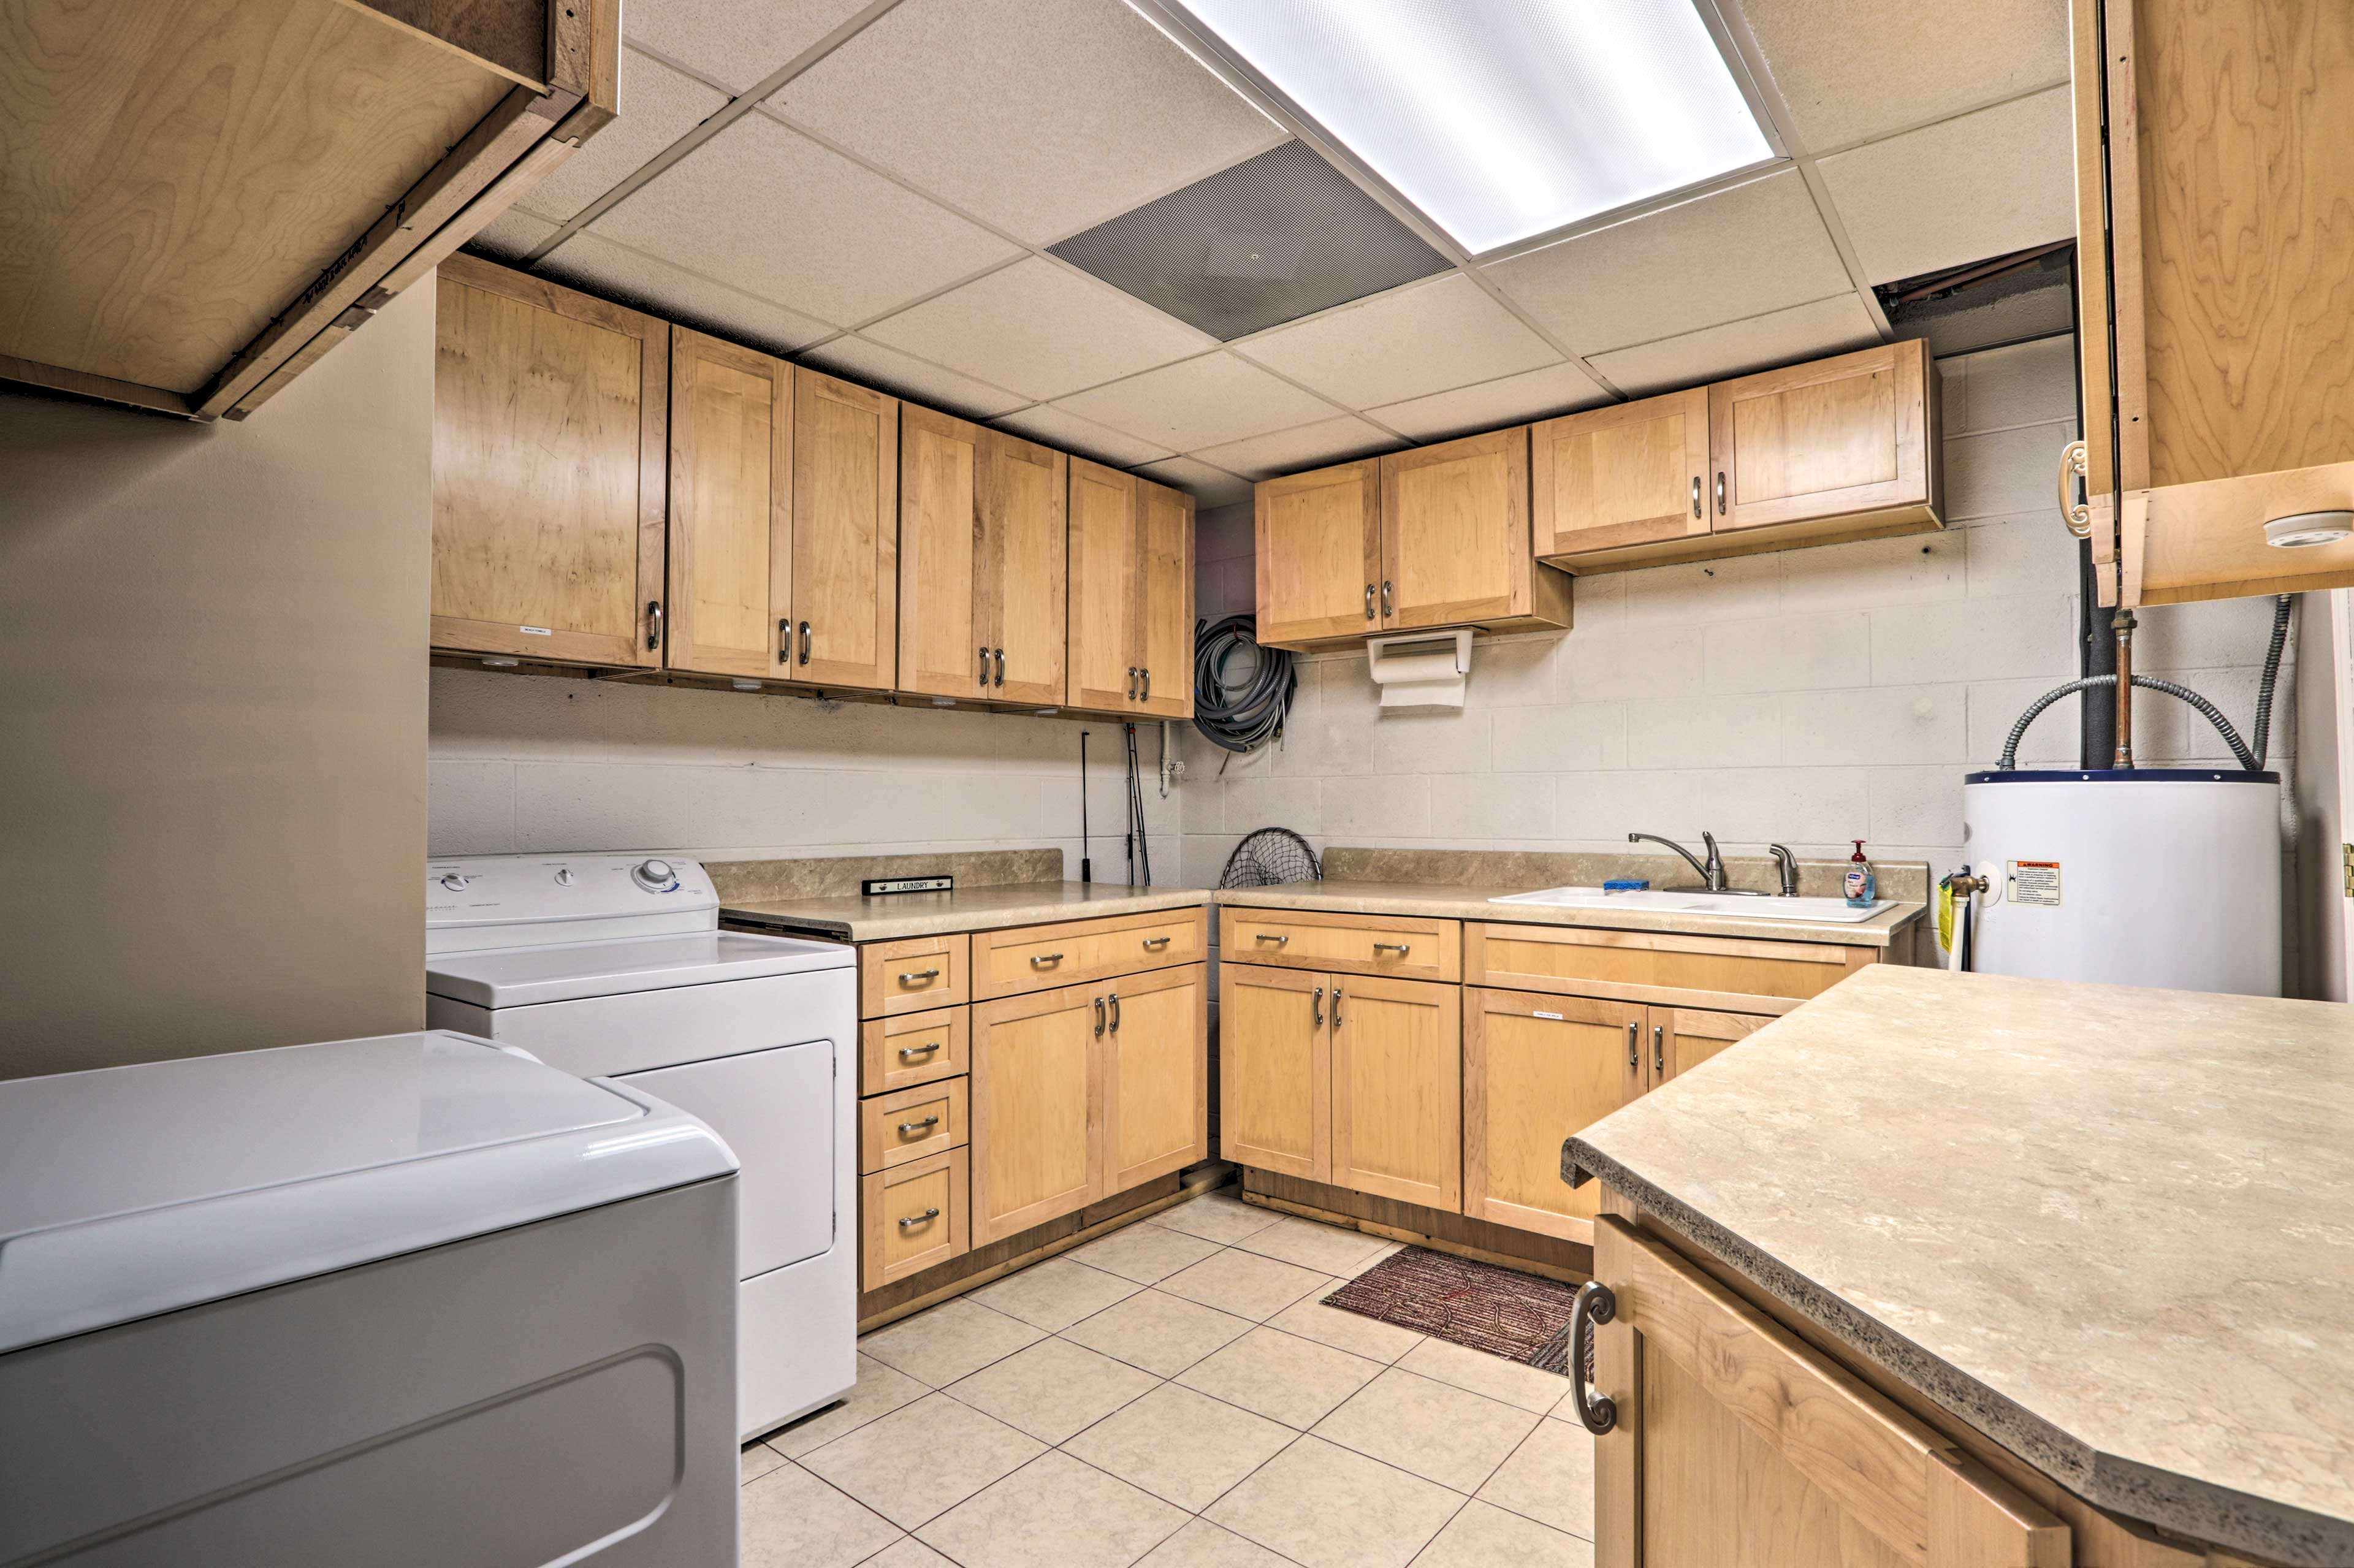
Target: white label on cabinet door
2035, 882
1555, 1016
535, 631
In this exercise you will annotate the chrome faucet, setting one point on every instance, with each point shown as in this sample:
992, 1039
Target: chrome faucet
1789, 864
1712, 874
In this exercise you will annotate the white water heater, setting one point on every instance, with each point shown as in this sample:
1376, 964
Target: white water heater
2161, 876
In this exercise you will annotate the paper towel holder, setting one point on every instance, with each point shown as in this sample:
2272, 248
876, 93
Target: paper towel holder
1421, 669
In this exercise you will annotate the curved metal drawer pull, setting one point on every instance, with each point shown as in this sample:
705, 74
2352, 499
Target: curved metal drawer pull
909, 1052
909, 1127
1400, 948
912, 1221
1317, 1004
1336, 1007
1660, 1049
1099, 1017
1635, 1046
1271, 937
918, 976
1036, 959
1594, 1305
1156, 942
1115, 1012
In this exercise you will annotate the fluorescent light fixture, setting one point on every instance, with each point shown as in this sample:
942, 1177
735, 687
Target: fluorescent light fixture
1502, 119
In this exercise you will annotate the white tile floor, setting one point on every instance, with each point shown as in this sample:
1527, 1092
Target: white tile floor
1175, 1394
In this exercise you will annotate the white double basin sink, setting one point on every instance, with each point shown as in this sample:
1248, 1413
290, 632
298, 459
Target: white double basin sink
1822, 911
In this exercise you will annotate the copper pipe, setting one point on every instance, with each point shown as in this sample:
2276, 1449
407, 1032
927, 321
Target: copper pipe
2124, 624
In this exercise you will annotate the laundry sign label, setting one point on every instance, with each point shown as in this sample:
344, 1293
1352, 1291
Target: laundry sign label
2035, 882
535, 631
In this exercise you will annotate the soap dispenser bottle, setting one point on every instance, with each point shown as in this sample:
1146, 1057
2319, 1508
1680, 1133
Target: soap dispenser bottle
1862, 885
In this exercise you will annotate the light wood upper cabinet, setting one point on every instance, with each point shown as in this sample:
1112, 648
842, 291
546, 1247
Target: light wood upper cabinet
1535, 1070
1038, 1126
1131, 576
550, 420
1275, 1070
941, 654
1319, 553
846, 563
1397, 1075
1849, 436
1630, 474
731, 508
1156, 1077
1455, 545
2210, 197
1021, 574
204, 197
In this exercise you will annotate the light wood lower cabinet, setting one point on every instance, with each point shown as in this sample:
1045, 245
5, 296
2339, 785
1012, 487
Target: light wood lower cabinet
1156, 1075
1736, 1442
1275, 1070
1397, 947
913, 1218
1737, 973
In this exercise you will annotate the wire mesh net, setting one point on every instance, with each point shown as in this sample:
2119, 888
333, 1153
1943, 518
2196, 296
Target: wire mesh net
1269, 857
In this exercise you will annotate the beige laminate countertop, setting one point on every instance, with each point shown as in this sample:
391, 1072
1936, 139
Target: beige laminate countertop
1449, 903
857, 919
2112, 1229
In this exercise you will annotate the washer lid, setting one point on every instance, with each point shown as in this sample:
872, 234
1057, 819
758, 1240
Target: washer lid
520, 977
127, 1192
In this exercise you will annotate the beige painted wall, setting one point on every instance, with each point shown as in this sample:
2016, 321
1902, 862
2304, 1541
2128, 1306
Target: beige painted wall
212, 715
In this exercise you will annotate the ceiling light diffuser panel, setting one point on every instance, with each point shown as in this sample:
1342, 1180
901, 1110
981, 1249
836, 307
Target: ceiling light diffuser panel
1501, 119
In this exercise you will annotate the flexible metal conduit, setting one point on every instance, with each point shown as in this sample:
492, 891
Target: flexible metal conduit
2147, 683
1244, 716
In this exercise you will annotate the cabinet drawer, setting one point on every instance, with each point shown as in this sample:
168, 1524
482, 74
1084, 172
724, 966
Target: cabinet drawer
1409, 947
914, 974
1036, 957
913, 1218
912, 1048
1739, 974
908, 1125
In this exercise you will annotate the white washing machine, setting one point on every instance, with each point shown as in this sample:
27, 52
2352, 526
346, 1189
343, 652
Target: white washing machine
613, 966
375, 1302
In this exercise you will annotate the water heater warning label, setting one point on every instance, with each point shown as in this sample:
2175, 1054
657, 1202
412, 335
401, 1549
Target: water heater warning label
2035, 882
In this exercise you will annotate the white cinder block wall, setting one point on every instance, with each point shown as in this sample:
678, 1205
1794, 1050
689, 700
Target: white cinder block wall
1809, 697
525, 763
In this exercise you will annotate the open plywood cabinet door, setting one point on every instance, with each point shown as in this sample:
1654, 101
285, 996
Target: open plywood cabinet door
204, 196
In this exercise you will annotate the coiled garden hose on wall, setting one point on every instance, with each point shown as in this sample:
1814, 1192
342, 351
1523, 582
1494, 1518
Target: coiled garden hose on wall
1239, 711
2251, 758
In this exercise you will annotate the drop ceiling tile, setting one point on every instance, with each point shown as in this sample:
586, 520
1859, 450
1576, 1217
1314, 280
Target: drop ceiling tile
767, 210
736, 43
1058, 428
905, 375
1208, 486
1532, 395
664, 105
1200, 403
678, 295
1724, 257
1851, 70
1287, 451
1042, 117
1040, 329
1736, 348
511, 236
1426, 338
1960, 191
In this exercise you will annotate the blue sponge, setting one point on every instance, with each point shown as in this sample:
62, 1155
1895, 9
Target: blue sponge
1625, 885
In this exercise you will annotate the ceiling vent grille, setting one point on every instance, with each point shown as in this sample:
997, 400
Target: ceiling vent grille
1273, 239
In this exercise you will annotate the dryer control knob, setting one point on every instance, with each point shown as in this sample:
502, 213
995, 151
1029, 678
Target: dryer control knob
655, 875
564, 877
455, 882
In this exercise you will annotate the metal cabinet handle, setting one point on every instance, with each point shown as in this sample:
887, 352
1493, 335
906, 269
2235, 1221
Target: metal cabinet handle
1147, 692
1152, 942
1336, 1007
1001, 667
1660, 1049
1270, 936
654, 624
918, 976
1635, 1046
1318, 1007
1695, 495
1400, 948
1369, 601
805, 642
907, 1127
1099, 1017
784, 642
1720, 492
910, 1053
1115, 1012
1040, 960
984, 666
1386, 610
1594, 1305
2076, 515
912, 1221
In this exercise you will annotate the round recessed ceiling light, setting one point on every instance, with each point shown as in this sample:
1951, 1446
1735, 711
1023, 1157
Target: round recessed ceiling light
2310, 528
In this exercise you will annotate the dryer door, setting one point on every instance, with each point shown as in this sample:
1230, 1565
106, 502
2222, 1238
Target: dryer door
775, 1108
